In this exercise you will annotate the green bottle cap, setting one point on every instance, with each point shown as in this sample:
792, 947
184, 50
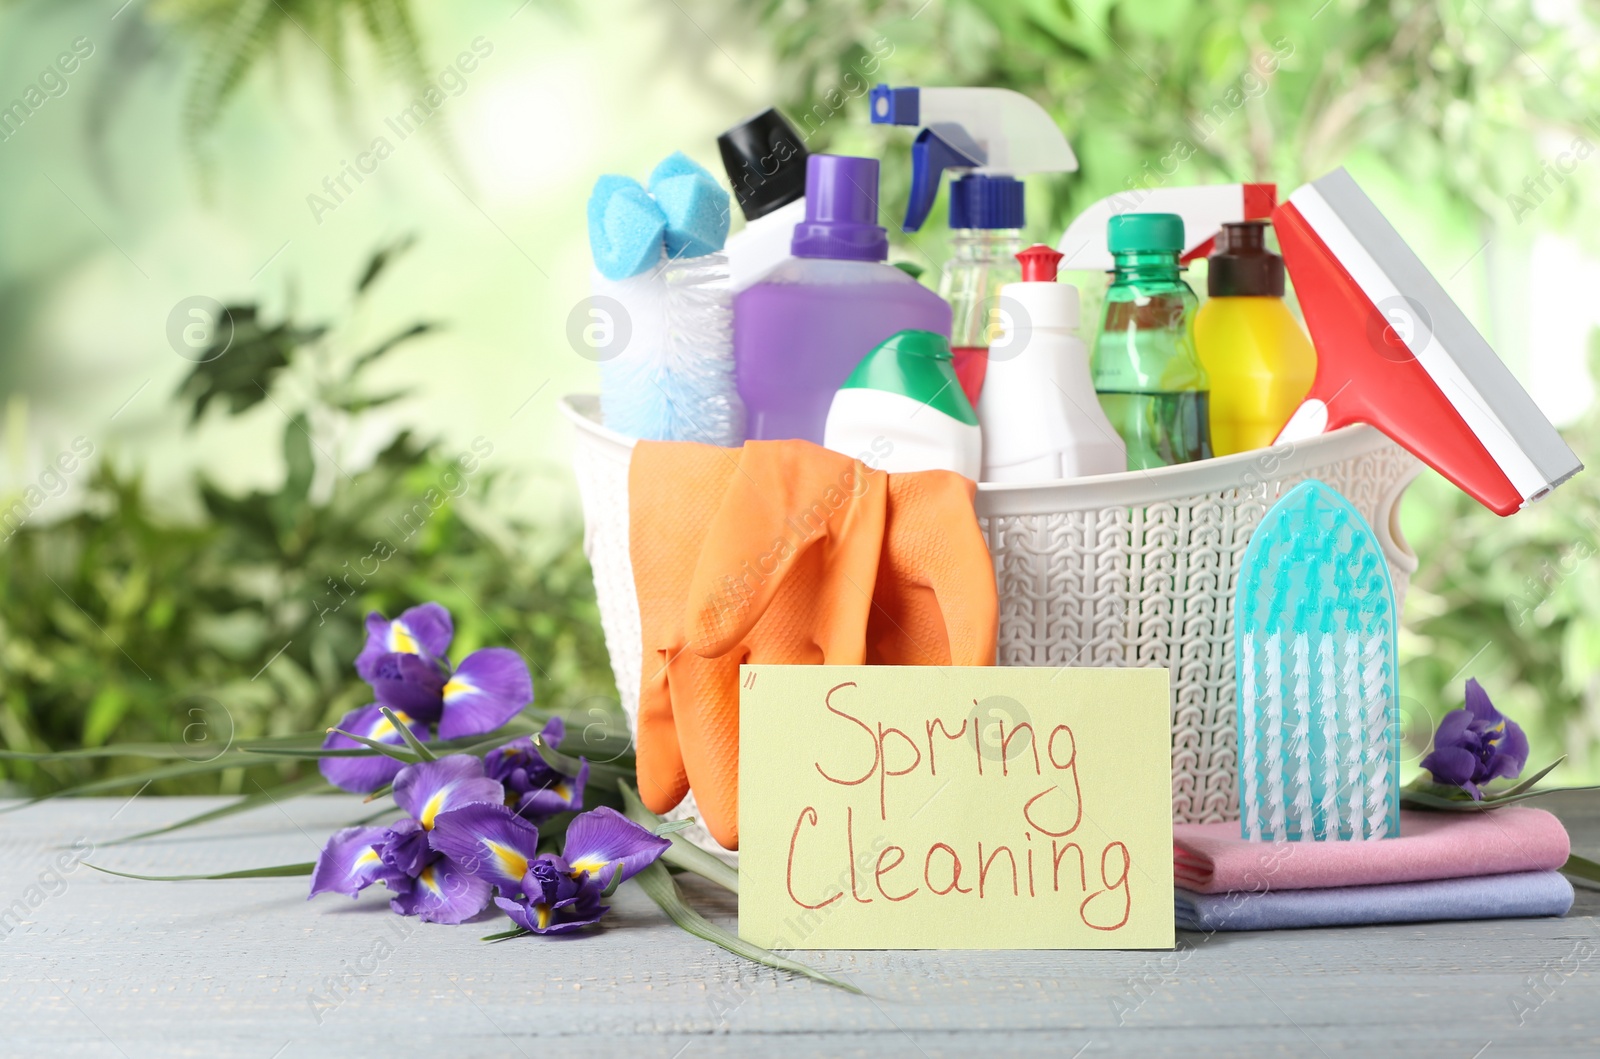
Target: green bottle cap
1144, 231
917, 364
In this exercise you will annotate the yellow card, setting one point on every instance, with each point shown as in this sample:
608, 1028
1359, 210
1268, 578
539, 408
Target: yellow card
913, 807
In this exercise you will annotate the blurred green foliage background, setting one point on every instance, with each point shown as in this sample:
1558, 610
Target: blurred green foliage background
204, 572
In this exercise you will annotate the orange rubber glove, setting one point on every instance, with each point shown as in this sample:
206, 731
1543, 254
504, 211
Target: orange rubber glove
935, 603
809, 557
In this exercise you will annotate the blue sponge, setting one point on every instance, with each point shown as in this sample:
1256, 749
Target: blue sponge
695, 205
626, 227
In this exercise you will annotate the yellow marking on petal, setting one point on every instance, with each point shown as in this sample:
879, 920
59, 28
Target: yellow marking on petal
455, 688
401, 640
382, 727
368, 856
431, 809
512, 863
543, 912
591, 864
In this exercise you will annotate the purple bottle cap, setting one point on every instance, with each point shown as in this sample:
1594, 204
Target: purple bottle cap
841, 211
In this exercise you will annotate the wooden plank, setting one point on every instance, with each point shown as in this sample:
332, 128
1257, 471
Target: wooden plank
101, 966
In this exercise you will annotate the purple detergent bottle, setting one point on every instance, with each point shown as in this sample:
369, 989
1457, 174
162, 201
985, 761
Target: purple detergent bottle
799, 333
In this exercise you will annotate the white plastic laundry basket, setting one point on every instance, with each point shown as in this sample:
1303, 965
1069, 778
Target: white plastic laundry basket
1131, 569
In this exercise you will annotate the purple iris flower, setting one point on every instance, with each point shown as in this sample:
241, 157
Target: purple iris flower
423, 630
404, 661
556, 899
1475, 745
424, 881
533, 788
539, 891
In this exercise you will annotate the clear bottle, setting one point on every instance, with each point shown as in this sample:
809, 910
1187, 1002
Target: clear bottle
1146, 372
986, 235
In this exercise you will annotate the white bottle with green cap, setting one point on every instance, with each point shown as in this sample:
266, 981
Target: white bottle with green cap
902, 409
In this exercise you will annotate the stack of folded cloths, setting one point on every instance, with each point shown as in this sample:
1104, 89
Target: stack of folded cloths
1497, 864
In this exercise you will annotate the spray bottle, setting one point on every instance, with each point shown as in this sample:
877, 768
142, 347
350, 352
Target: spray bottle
993, 135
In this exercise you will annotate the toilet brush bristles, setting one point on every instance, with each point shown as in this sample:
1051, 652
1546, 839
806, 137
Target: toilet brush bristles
671, 376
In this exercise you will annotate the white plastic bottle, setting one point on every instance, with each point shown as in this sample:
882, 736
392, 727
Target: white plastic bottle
766, 164
1039, 415
902, 410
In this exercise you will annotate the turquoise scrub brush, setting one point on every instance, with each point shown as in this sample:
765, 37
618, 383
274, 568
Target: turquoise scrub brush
1318, 699
666, 370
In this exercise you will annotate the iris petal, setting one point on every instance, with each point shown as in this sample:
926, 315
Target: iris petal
1478, 704
443, 893
349, 863
488, 688
601, 839
363, 775
1451, 765
489, 841
428, 789
411, 683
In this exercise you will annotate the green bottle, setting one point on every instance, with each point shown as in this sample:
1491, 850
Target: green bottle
1146, 372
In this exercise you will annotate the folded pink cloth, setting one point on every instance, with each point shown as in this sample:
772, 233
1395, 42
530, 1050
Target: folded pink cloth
1213, 859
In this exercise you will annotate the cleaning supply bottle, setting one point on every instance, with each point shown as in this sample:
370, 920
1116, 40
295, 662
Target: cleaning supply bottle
766, 165
1259, 361
903, 410
993, 136
1038, 411
1150, 381
801, 331
982, 262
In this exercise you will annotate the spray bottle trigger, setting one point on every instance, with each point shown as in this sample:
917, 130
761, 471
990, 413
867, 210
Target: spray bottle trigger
931, 155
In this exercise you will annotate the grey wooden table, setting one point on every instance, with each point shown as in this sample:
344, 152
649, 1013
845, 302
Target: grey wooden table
101, 966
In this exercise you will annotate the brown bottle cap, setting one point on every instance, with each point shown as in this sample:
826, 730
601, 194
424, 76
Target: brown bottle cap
1241, 266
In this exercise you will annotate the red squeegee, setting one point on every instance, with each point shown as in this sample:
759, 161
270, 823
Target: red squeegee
1394, 351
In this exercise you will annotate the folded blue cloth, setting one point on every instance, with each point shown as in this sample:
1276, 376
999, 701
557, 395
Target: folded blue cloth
1520, 894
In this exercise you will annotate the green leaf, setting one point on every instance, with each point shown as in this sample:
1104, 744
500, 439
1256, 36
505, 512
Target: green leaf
1583, 868
300, 468
381, 259
658, 883
682, 853
386, 749
416, 330
277, 871
506, 935
1528, 783
1422, 800
599, 771
672, 827
408, 735
314, 784
165, 772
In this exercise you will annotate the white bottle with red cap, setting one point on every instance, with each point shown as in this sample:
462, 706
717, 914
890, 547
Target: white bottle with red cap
1038, 412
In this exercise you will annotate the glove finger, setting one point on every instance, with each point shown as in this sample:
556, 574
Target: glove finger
663, 781
935, 602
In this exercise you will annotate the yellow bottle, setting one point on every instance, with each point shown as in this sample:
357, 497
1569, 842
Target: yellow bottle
1259, 360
